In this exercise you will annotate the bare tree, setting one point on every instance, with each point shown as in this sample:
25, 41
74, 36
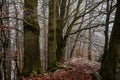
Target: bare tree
43, 23
11, 52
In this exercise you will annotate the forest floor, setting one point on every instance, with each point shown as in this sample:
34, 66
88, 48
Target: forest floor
76, 69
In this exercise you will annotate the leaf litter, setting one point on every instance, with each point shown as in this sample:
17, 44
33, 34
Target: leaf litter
77, 69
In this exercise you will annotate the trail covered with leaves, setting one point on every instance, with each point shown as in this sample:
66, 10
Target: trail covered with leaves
76, 69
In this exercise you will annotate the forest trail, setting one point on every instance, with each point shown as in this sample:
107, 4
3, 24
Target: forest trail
78, 69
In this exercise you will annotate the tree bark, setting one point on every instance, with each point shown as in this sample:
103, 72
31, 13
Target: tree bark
106, 30
52, 35
110, 69
31, 40
61, 43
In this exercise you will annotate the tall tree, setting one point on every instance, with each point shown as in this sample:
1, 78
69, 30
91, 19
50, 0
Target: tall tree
63, 13
110, 69
109, 10
43, 23
60, 51
31, 41
52, 34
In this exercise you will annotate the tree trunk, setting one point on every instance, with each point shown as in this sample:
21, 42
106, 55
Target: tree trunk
52, 35
32, 62
61, 43
42, 11
110, 69
106, 30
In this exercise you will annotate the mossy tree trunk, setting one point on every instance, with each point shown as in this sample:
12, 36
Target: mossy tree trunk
52, 35
61, 43
62, 17
31, 39
110, 69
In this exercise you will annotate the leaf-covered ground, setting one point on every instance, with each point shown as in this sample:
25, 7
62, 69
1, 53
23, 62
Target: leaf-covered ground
78, 69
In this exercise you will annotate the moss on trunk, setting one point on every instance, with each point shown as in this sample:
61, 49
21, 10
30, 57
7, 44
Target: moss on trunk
32, 62
61, 43
32, 55
52, 35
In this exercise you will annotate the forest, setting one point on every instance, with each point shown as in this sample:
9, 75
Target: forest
59, 39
